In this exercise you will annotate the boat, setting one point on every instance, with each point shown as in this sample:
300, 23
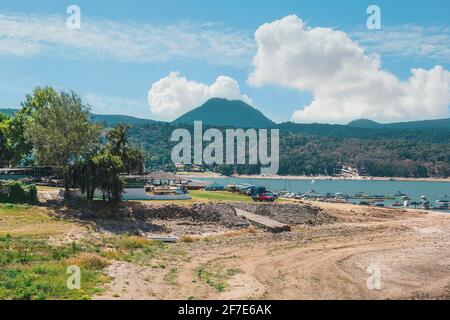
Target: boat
161, 190
215, 187
415, 204
397, 204
373, 197
442, 205
195, 184
244, 188
400, 194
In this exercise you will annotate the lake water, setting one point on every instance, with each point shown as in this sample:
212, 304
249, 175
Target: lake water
414, 189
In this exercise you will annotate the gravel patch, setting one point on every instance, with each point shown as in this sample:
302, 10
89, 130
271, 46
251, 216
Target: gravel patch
291, 214
220, 214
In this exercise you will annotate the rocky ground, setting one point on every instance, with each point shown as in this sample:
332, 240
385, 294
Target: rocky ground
192, 219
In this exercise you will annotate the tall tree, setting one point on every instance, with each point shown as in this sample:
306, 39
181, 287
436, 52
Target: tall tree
61, 132
20, 148
4, 125
133, 158
108, 168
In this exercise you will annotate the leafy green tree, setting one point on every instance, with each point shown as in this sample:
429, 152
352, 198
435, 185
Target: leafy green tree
20, 148
83, 175
102, 169
4, 125
133, 158
107, 175
61, 133
99, 171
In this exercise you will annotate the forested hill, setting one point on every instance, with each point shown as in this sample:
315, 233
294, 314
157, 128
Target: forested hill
120, 119
430, 134
323, 149
419, 151
411, 125
223, 112
109, 120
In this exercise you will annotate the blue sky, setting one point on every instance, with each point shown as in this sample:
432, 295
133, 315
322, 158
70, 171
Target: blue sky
115, 76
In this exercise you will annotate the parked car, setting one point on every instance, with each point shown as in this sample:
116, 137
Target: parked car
264, 197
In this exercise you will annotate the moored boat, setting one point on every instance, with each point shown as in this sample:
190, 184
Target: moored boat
195, 184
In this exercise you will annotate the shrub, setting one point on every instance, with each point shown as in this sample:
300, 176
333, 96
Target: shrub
133, 242
18, 192
89, 261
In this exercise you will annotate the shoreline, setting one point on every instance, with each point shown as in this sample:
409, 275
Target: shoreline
302, 177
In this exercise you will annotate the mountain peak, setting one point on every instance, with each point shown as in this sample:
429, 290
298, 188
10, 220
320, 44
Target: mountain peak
224, 112
364, 123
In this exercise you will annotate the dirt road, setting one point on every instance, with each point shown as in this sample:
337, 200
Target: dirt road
410, 250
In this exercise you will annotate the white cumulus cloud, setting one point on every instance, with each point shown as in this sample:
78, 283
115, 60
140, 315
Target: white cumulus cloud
346, 82
174, 95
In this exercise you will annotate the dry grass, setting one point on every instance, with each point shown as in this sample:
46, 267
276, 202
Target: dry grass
228, 234
190, 239
134, 242
31, 221
231, 234
89, 260
44, 188
113, 254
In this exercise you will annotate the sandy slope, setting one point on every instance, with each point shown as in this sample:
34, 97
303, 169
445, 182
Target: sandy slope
330, 261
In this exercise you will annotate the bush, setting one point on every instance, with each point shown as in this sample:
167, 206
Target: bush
89, 260
18, 192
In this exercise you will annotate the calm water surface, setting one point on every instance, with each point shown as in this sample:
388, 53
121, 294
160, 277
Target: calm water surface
414, 189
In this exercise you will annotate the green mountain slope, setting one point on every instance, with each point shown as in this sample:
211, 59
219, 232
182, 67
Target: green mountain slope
117, 119
423, 124
8, 112
364, 123
110, 120
223, 112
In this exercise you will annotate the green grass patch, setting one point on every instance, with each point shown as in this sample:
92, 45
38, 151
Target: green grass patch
132, 248
14, 207
25, 220
217, 279
219, 196
171, 277
32, 270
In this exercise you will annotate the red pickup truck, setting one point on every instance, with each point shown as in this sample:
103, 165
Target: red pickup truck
264, 197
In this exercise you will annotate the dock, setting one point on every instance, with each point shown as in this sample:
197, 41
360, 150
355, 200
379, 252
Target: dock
264, 222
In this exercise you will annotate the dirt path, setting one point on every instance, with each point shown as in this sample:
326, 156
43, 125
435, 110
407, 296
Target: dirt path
410, 250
